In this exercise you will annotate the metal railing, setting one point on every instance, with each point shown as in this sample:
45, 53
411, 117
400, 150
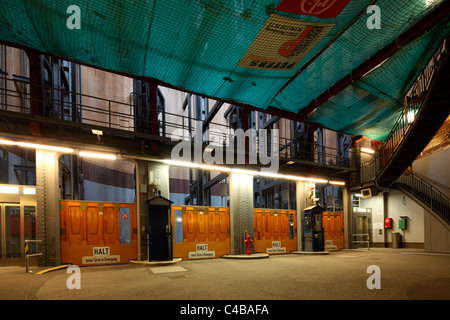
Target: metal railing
361, 238
28, 256
426, 193
413, 103
15, 96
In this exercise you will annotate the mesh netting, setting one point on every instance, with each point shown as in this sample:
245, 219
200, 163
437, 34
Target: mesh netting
371, 105
205, 46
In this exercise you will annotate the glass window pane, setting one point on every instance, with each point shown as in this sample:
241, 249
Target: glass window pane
12, 231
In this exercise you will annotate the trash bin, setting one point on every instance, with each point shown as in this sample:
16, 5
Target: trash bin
396, 240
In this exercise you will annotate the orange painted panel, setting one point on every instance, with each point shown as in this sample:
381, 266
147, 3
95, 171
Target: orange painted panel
208, 226
283, 225
190, 227
334, 228
212, 224
201, 223
93, 233
267, 224
275, 227
110, 218
326, 225
88, 225
258, 221
224, 221
74, 228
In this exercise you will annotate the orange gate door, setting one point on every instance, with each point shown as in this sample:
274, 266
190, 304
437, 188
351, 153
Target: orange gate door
97, 233
333, 225
275, 231
200, 232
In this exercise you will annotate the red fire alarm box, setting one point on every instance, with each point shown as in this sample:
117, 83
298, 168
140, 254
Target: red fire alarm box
388, 223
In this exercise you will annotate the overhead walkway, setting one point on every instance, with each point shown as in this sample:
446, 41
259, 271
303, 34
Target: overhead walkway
425, 112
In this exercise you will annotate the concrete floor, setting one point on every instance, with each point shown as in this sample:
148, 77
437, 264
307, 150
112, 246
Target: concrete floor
405, 275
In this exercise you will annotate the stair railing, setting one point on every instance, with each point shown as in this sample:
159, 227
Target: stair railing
413, 103
427, 193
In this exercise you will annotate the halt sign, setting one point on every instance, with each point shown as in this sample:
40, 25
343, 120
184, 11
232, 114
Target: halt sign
101, 255
276, 248
201, 252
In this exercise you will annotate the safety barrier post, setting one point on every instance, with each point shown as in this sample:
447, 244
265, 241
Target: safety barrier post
27, 256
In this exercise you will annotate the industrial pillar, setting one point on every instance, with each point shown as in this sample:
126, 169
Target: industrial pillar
154, 125
304, 196
300, 198
241, 211
35, 83
348, 217
47, 191
151, 178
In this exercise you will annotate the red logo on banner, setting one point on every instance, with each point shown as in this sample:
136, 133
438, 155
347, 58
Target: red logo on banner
317, 8
124, 216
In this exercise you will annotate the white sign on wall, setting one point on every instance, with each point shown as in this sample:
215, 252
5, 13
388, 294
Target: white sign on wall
276, 248
201, 252
101, 255
330, 246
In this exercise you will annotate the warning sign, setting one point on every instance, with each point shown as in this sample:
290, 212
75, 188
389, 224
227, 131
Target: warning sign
317, 8
276, 248
202, 252
282, 43
101, 255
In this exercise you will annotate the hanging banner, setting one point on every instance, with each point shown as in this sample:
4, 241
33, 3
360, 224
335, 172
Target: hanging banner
317, 8
282, 43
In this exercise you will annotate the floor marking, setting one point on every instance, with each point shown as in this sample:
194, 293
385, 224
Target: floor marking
165, 262
168, 269
427, 253
52, 269
348, 256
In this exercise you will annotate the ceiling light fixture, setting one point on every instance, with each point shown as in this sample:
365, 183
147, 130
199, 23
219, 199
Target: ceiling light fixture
27, 190
338, 183
367, 150
9, 190
249, 172
36, 146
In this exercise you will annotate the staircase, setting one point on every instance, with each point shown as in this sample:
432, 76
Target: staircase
425, 194
427, 108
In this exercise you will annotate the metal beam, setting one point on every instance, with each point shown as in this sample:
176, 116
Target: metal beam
215, 180
270, 122
212, 114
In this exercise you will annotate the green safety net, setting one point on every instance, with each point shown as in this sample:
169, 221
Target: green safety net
240, 51
370, 106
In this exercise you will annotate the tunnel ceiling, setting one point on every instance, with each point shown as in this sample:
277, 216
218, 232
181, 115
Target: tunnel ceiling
278, 54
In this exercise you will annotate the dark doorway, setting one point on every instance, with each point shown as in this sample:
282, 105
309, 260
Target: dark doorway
159, 229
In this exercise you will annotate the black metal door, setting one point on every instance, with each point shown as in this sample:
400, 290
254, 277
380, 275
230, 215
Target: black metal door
158, 234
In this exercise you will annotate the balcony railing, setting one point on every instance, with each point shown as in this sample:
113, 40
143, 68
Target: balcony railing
74, 107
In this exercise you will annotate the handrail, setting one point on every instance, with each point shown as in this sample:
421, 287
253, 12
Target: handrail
361, 236
413, 103
444, 189
121, 115
427, 193
27, 256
